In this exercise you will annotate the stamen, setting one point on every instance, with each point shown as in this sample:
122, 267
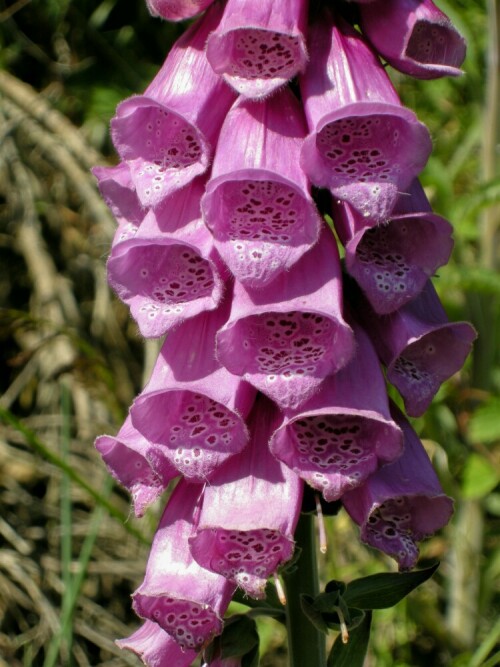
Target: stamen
279, 589
323, 546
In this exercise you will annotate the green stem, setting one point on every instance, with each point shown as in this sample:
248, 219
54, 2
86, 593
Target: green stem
306, 644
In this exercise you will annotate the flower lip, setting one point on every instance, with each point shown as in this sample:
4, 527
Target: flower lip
184, 599
256, 72
415, 37
164, 280
249, 511
262, 223
257, 47
196, 433
402, 502
164, 150
335, 449
427, 361
177, 10
366, 153
393, 261
156, 647
125, 456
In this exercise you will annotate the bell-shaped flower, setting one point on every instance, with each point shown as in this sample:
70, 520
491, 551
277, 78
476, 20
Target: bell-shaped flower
177, 10
193, 409
168, 270
414, 36
257, 203
167, 135
401, 503
125, 455
156, 648
118, 191
184, 599
286, 339
250, 510
259, 46
345, 431
392, 261
363, 145
419, 346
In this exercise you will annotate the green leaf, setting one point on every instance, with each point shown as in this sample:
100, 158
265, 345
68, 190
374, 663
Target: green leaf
479, 477
251, 659
310, 611
239, 636
327, 601
484, 425
380, 591
353, 653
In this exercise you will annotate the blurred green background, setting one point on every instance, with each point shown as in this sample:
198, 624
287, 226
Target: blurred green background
70, 551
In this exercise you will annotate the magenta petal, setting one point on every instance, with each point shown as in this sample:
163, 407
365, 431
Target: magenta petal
419, 346
345, 431
126, 458
156, 648
168, 134
258, 204
259, 46
415, 37
177, 10
186, 600
364, 146
118, 191
250, 510
286, 339
392, 261
167, 272
402, 503
193, 409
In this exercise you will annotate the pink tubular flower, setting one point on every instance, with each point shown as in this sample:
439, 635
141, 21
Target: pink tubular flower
167, 271
286, 339
167, 135
193, 410
259, 46
185, 600
126, 458
250, 510
257, 203
344, 432
415, 37
392, 261
364, 146
117, 190
419, 346
402, 503
156, 648
177, 10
